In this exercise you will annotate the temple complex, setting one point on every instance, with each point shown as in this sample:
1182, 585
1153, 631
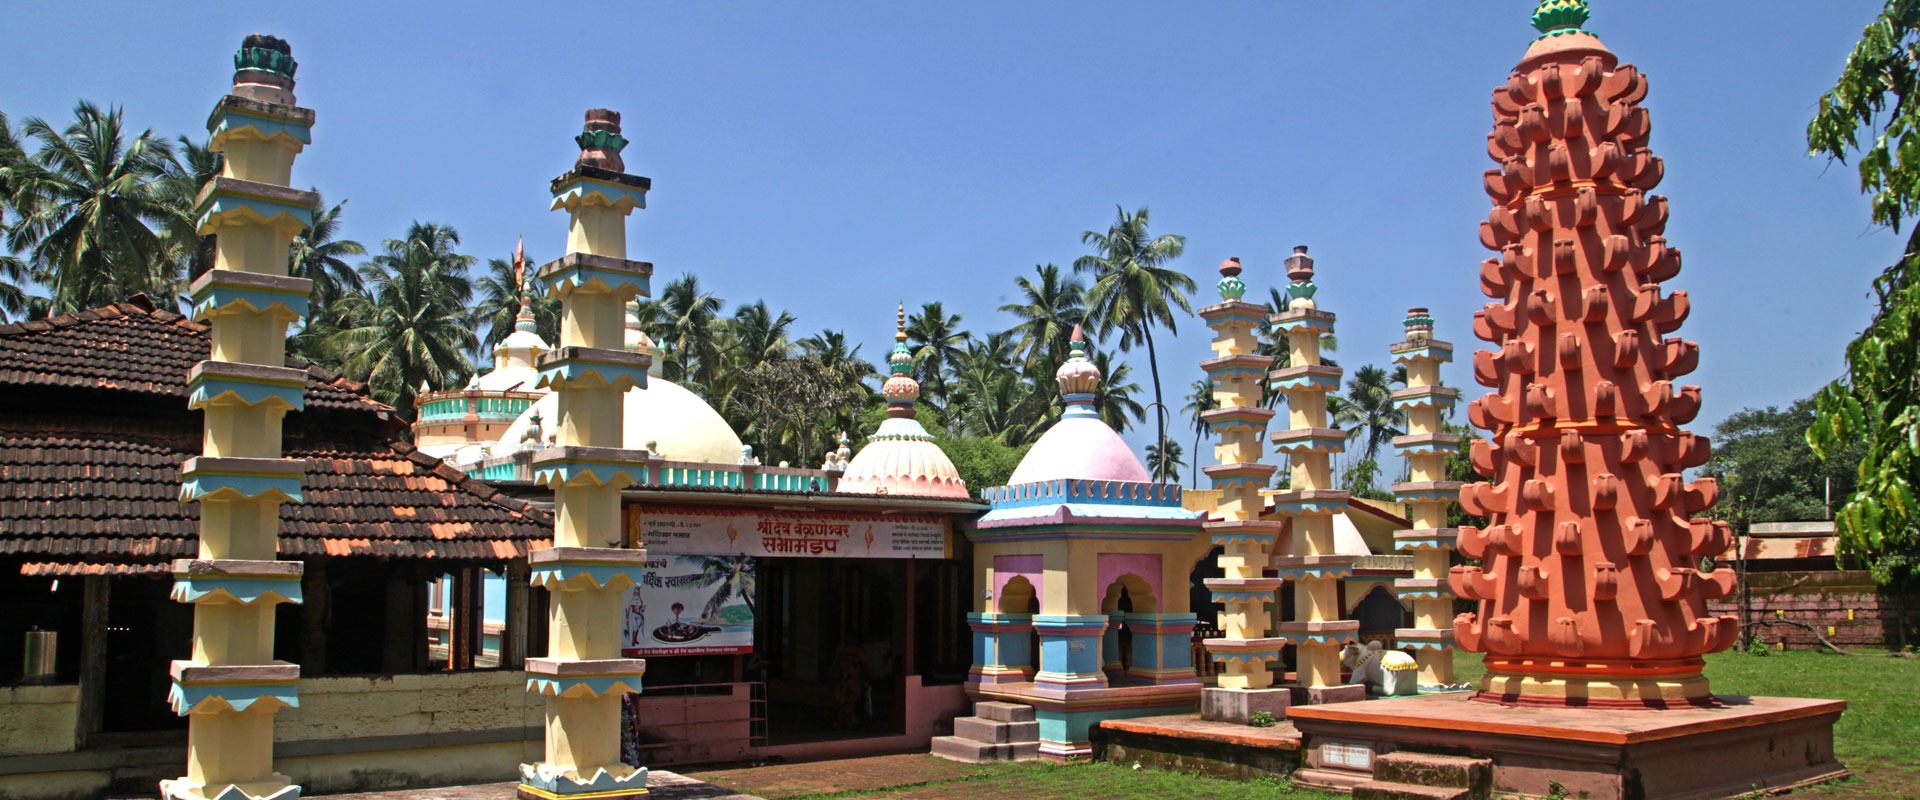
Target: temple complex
460, 424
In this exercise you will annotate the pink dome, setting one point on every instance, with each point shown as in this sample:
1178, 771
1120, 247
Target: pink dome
1080, 448
902, 459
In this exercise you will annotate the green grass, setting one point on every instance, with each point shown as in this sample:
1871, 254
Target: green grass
1034, 780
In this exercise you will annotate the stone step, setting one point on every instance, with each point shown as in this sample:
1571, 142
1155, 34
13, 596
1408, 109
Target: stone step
954, 748
981, 729
1427, 769
1003, 712
1383, 790
1328, 780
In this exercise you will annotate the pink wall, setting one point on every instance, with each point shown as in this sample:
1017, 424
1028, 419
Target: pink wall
1005, 568
1108, 567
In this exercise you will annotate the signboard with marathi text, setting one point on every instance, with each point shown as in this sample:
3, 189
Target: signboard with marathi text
691, 606
764, 533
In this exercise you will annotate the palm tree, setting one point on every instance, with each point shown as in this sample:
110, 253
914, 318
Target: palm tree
319, 257
1115, 400
416, 332
830, 347
760, 333
189, 253
1274, 345
1369, 411
687, 317
1052, 307
1133, 289
991, 398
1164, 465
13, 272
500, 288
1200, 400
937, 340
730, 577
86, 202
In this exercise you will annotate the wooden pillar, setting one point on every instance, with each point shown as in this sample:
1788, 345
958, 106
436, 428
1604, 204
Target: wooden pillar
313, 617
514, 629
460, 613
95, 598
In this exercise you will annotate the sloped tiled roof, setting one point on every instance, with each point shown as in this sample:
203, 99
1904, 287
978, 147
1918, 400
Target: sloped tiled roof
133, 347
104, 489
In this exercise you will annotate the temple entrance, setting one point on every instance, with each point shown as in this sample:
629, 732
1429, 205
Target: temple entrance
145, 632
831, 640
1130, 594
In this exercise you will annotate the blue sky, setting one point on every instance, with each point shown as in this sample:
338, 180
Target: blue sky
835, 158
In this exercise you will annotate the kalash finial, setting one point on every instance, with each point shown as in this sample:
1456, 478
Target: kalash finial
522, 321
1300, 271
1078, 378
901, 390
1557, 17
263, 69
1230, 285
600, 142
1419, 325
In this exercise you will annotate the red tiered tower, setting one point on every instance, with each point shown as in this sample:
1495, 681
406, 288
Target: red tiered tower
1589, 587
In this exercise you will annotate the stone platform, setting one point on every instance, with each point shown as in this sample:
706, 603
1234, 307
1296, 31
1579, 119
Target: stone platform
1187, 743
1750, 743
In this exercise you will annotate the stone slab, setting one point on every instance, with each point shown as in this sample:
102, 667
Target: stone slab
1382, 790
1747, 744
1239, 705
661, 785
1187, 743
1323, 695
996, 732
1003, 712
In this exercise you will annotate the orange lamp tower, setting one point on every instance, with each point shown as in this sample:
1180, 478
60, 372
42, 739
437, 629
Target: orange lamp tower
583, 676
231, 686
1589, 586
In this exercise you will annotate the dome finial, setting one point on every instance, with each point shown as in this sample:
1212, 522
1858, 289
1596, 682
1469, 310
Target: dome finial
900, 329
901, 390
1078, 378
1556, 17
522, 321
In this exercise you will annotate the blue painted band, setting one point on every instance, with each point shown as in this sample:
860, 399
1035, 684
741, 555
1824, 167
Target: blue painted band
233, 120
203, 389
617, 281
602, 575
598, 685
197, 485
554, 373
191, 588
221, 203
214, 297
612, 194
184, 698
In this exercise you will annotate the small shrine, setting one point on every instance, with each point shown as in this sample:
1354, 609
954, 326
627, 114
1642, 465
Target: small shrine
1081, 567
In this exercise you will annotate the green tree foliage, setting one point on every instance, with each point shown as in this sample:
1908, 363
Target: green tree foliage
1165, 465
938, 343
413, 333
982, 461
1768, 471
1199, 400
1877, 404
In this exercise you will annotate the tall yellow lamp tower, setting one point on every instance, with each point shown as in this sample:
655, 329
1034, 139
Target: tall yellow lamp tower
1245, 649
583, 676
1310, 502
231, 686
1427, 491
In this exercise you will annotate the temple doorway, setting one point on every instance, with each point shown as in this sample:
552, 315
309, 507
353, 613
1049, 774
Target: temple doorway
831, 642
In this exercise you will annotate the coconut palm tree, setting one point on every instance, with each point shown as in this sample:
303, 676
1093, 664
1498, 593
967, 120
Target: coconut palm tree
1051, 306
500, 287
1164, 465
1200, 400
1367, 411
416, 332
730, 577
1133, 290
319, 257
1115, 400
687, 331
937, 340
88, 200
13, 271
760, 334
830, 347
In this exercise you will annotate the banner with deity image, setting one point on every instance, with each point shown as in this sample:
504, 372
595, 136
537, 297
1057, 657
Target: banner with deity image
691, 606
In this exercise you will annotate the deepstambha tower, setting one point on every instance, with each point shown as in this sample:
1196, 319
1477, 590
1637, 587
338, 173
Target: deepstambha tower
1245, 649
1427, 492
1590, 590
231, 687
1317, 630
583, 676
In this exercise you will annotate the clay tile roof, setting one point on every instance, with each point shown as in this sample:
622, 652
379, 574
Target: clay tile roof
84, 490
132, 347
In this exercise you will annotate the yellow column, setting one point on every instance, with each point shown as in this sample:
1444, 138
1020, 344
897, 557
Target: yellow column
231, 686
584, 676
1427, 492
1246, 649
1317, 630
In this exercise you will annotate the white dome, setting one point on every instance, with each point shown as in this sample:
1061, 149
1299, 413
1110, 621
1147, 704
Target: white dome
683, 425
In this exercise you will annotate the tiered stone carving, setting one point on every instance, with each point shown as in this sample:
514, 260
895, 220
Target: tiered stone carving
1427, 493
583, 676
1246, 647
1309, 442
1589, 586
231, 686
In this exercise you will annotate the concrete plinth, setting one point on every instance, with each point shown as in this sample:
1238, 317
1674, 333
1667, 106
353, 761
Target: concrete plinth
1239, 705
1187, 743
1748, 744
1322, 695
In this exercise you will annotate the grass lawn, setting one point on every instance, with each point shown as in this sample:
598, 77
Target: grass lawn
1878, 738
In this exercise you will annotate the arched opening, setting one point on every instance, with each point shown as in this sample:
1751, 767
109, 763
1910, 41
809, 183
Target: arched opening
1128, 594
1018, 597
1379, 614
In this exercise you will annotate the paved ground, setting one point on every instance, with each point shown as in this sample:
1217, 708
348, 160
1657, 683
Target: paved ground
661, 785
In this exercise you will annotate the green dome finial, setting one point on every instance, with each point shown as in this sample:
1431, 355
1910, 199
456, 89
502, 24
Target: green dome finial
1555, 17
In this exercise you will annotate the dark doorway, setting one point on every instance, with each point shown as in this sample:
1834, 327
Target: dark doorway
146, 631
831, 634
